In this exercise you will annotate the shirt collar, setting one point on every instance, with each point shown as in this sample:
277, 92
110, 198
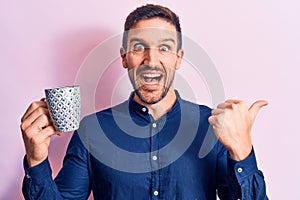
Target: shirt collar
142, 111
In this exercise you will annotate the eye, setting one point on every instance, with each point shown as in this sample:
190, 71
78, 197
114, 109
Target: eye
164, 48
139, 47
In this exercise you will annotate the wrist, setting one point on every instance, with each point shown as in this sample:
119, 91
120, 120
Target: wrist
240, 154
33, 162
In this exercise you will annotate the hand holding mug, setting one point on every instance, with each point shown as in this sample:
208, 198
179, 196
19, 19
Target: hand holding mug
37, 128
38, 124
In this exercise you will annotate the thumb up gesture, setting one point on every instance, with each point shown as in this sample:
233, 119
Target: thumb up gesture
232, 122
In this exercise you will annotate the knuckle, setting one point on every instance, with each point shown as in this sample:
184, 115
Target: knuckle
41, 110
34, 104
23, 118
44, 117
22, 126
210, 119
34, 140
234, 106
27, 134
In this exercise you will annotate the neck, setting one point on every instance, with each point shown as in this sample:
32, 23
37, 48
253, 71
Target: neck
160, 108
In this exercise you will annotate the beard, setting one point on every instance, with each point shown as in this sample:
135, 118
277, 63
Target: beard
151, 83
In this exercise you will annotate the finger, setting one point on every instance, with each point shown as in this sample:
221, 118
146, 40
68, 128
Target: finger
34, 115
40, 123
211, 120
32, 107
217, 111
49, 131
234, 101
59, 133
216, 122
224, 105
46, 133
41, 136
43, 99
255, 107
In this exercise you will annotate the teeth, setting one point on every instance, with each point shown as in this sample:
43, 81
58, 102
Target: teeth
151, 75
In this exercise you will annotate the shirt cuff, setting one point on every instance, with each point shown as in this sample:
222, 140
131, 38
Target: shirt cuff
38, 172
242, 169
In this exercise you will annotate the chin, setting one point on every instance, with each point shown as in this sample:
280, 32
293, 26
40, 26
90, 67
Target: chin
149, 97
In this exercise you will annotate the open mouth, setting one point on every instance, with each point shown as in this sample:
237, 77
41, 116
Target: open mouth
151, 78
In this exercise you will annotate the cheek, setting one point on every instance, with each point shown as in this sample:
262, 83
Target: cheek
170, 67
133, 61
170, 61
170, 74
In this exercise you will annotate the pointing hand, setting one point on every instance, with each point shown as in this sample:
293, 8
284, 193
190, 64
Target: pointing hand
232, 122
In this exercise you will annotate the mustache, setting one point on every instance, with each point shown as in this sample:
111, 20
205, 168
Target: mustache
150, 68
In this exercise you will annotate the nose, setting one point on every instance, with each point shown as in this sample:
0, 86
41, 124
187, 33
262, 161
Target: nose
152, 56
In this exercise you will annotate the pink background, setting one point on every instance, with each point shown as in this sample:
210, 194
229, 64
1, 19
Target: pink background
254, 45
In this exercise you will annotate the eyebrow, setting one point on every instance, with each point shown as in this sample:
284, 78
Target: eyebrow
168, 40
141, 40
135, 40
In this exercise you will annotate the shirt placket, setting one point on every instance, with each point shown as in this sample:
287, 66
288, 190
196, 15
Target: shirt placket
154, 160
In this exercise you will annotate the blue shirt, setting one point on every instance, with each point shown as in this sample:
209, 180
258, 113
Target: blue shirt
123, 153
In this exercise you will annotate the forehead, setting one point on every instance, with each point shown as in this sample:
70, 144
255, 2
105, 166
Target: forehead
153, 29
155, 22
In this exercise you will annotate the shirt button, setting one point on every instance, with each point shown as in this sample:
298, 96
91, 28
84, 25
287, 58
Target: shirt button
154, 125
155, 193
239, 170
28, 176
144, 109
154, 157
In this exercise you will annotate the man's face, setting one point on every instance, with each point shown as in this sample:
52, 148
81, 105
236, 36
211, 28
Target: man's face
151, 58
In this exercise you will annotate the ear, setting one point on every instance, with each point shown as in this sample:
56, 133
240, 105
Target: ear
123, 56
180, 54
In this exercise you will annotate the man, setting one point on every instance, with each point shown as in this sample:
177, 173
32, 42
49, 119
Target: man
156, 134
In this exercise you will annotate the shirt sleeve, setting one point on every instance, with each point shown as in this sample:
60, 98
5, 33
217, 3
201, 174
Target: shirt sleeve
244, 180
248, 178
38, 183
72, 182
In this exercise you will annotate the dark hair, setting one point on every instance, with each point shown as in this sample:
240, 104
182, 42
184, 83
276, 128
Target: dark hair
151, 11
